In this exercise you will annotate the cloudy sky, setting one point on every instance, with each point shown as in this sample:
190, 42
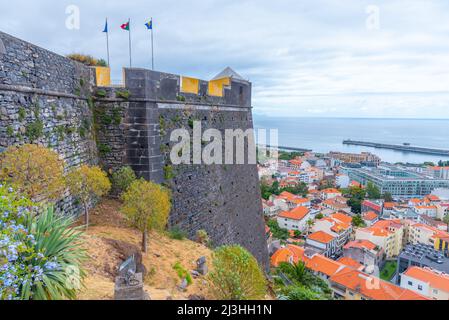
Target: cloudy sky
309, 58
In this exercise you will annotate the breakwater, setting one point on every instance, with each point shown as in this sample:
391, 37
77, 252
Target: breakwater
398, 147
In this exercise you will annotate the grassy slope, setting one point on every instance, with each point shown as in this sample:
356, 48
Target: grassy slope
108, 234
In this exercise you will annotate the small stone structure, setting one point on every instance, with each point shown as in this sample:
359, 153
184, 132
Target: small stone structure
128, 283
201, 266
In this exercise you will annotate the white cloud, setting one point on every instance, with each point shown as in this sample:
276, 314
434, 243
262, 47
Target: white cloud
304, 59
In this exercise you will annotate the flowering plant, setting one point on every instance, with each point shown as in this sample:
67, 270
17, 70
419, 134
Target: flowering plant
36, 251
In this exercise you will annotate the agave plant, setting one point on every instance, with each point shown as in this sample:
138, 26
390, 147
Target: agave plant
40, 256
59, 248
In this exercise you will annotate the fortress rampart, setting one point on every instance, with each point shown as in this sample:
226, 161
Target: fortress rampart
48, 99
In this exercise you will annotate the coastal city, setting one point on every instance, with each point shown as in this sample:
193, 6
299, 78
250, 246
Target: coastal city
365, 229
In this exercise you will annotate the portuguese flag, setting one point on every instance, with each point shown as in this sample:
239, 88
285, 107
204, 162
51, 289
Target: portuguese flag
125, 26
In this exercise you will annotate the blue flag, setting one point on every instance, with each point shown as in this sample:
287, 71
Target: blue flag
149, 24
106, 26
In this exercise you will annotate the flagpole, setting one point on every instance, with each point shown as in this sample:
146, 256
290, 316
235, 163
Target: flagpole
130, 53
152, 50
107, 42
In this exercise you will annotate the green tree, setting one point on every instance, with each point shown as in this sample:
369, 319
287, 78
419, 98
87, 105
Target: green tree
372, 191
319, 216
357, 221
277, 231
33, 171
357, 195
236, 275
300, 292
147, 206
388, 197
87, 182
309, 225
122, 179
297, 271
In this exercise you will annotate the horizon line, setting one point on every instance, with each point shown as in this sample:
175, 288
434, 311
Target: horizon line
347, 117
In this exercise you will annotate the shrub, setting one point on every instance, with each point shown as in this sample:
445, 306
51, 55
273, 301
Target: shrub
85, 182
122, 179
177, 234
147, 206
202, 236
40, 256
182, 273
87, 60
124, 94
34, 171
34, 130
236, 275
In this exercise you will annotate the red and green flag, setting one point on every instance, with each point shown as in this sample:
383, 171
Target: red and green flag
125, 26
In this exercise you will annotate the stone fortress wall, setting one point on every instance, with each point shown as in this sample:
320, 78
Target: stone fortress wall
44, 99
48, 99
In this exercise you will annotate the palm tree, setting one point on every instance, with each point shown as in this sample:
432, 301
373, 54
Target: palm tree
297, 270
310, 224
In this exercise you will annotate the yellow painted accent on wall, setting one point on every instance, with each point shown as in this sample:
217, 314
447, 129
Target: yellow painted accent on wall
216, 87
103, 75
190, 85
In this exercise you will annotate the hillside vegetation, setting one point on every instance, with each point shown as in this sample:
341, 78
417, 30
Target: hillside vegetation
109, 241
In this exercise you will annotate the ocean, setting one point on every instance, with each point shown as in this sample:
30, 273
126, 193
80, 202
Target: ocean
327, 134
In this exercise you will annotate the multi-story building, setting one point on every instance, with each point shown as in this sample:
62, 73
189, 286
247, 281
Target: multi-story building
346, 282
438, 172
387, 234
421, 255
322, 243
370, 218
365, 252
339, 226
397, 181
430, 283
355, 157
295, 219
330, 193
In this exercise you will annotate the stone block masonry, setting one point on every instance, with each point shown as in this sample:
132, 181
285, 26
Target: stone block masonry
44, 100
48, 99
223, 199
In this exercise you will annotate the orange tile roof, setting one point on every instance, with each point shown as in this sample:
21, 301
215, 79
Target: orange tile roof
370, 216
317, 262
426, 207
348, 277
300, 200
355, 183
389, 205
365, 244
330, 190
297, 213
287, 195
372, 287
432, 197
347, 261
321, 236
435, 280
296, 162
342, 217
